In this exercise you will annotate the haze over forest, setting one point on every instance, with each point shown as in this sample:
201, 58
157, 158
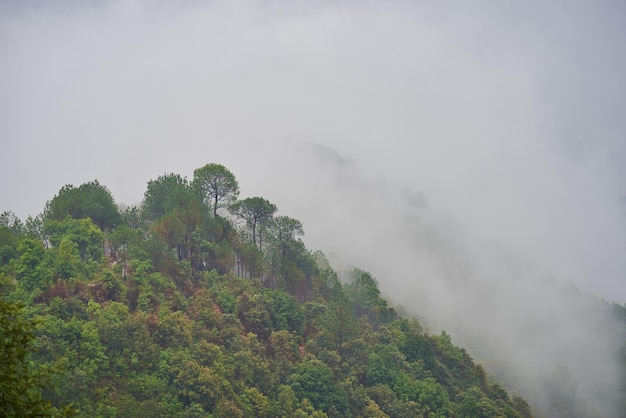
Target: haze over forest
470, 157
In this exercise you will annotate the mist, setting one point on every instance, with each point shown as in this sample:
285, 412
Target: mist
470, 157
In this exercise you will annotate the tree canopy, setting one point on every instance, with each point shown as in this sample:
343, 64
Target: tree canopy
164, 195
21, 382
216, 185
257, 212
89, 200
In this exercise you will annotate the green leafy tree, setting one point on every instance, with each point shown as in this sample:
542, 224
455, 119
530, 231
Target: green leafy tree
21, 382
216, 185
254, 314
121, 238
199, 384
286, 312
284, 351
251, 260
286, 249
286, 402
164, 195
12, 222
228, 409
372, 410
34, 227
33, 265
339, 322
418, 347
314, 381
172, 230
174, 330
284, 231
177, 215
88, 237
433, 397
67, 260
365, 296
131, 217
89, 200
254, 403
8, 245
256, 211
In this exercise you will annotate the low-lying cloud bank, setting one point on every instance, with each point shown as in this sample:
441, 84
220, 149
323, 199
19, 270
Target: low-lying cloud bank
507, 118
539, 334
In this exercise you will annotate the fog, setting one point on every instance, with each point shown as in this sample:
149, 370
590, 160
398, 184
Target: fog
471, 157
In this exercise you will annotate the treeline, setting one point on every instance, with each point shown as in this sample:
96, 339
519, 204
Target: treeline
197, 304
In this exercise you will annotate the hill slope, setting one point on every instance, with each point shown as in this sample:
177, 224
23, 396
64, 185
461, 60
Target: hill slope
176, 308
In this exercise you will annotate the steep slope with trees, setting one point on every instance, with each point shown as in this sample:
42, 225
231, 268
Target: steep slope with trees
173, 309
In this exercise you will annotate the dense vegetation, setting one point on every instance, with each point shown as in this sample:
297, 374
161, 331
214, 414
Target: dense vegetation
196, 304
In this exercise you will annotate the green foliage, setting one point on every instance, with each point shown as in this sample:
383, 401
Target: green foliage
257, 212
173, 312
254, 313
284, 230
290, 263
432, 396
339, 322
216, 186
8, 245
166, 194
226, 301
88, 238
21, 381
286, 312
67, 260
314, 381
366, 299
33, 266
176, 215
418, 347
11, 223
384, 364
89, 200
252, 260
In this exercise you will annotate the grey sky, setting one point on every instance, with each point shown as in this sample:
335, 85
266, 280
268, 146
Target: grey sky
507, 116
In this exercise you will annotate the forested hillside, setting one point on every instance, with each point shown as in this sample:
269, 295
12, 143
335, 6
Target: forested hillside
200, 304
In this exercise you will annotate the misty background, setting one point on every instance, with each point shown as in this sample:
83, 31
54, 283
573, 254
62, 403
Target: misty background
472, 157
